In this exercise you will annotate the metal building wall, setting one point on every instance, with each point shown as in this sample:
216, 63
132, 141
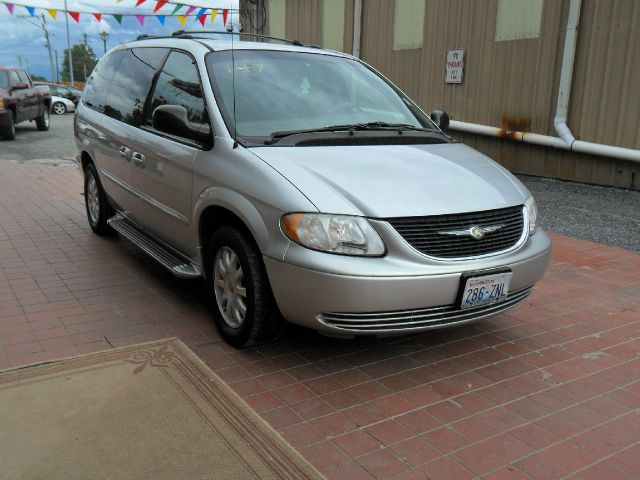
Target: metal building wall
513, 83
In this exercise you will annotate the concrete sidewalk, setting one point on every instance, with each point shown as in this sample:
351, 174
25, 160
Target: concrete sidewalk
549, 390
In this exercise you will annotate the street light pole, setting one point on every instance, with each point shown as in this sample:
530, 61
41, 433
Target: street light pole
66, 19
104, 35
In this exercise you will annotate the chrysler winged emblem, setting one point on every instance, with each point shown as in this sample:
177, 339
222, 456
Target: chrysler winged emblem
476, 232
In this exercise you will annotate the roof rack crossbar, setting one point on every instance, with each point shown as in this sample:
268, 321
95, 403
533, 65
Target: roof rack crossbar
180, 33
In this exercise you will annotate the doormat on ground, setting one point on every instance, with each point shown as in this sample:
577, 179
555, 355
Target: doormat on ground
150, 411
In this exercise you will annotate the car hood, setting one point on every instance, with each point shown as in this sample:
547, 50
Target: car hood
396, 180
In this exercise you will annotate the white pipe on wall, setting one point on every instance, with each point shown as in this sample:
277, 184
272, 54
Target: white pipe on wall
566, 140
357, 27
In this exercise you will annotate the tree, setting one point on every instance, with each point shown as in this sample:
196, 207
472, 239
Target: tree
83, 59
38, 78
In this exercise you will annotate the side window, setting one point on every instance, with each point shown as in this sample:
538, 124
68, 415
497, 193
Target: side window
14, 77
131, 83
179, 84
24, 77
95, 93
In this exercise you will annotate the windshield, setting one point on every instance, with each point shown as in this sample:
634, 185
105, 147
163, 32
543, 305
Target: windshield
281, 91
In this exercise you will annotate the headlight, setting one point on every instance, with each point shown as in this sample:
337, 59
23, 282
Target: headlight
532, 211
333, 233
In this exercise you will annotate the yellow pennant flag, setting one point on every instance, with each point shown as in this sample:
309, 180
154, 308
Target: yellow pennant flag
182, 19
52, 12
214, 12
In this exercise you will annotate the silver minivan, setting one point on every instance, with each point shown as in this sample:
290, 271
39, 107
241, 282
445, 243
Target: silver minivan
302, 185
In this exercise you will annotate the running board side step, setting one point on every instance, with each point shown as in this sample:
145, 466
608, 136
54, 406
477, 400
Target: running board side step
172, 261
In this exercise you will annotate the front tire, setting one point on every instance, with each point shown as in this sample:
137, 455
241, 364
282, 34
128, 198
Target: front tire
59, 108
96, 203
42, 122
9, 132
238, 288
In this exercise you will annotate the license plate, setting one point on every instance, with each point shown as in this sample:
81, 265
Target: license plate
485, 290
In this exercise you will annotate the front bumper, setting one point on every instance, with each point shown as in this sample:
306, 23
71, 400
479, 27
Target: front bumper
387, 304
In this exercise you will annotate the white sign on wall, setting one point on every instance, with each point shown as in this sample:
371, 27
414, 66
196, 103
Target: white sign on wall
455, 66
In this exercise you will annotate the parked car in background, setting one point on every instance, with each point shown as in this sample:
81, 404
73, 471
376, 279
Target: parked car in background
60, 105
21, 100
76, 91
300, 183
62, 91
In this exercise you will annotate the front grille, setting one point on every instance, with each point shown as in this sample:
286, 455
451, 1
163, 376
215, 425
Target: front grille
423, 233
423, 319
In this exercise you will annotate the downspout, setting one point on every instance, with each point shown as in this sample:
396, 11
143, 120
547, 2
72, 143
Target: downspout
357, 27
565, 139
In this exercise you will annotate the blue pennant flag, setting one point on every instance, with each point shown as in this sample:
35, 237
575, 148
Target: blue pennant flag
31, 10
200, 13
161, 19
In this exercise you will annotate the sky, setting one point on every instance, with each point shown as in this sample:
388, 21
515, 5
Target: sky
23, 42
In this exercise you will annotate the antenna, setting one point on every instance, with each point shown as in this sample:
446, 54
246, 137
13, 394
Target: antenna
233, 81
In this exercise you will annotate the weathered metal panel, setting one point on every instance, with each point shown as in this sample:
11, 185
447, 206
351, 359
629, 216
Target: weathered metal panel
304, 21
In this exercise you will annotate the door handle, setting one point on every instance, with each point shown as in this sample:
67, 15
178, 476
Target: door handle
139, 159
125, 152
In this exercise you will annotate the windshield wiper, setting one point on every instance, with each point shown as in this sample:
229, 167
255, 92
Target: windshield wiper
399, 127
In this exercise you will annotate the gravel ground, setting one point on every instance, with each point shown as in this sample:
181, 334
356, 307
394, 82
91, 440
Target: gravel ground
604, 215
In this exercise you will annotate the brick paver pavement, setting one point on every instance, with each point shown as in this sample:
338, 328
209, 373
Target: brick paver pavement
549, 390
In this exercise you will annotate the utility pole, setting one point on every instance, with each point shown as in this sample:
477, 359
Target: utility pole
43, 27
66, 19
84, 56
57, 68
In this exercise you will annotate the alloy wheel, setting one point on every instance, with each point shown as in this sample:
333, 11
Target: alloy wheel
230, 293
93, 201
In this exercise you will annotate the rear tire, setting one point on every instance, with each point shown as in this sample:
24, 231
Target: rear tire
42, 122
96, 203
59, 108
238, 289
9, 132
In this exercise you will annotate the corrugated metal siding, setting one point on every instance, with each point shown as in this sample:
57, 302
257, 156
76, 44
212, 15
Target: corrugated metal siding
513, 80
304, 21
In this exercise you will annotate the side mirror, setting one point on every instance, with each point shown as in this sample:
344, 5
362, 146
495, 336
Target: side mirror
21, 86
174, 120
441, 119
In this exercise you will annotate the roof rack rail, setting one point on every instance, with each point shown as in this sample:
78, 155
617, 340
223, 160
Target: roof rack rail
145, 36
196, 33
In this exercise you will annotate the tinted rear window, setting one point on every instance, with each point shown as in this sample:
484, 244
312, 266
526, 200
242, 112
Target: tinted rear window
4, 80
97, 89
131, 83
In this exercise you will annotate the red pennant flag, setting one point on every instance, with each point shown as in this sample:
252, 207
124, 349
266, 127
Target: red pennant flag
202, 19
158, 6
139, 2
75, 16
225, 12
98, 16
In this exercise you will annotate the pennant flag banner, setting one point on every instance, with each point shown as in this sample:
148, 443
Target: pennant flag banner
200, 15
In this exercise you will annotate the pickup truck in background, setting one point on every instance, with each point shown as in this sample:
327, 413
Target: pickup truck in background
20, 100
